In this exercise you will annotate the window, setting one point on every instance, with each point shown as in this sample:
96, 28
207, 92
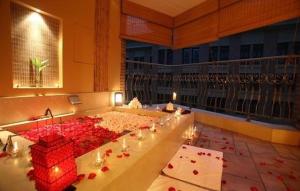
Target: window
258, 50
195, 55
224, 52
186, 56
282, 48
161, 56
245, 52
296, 46
169, 56
213, 53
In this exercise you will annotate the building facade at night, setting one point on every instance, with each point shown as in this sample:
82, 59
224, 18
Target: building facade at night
247, 73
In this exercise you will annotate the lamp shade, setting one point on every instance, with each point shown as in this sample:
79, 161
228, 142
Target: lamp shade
118, 98
54, 163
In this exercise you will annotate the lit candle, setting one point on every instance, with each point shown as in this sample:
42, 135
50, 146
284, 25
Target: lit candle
124, 145
99, 159
174, 96
153, 129
56, 170
140, 135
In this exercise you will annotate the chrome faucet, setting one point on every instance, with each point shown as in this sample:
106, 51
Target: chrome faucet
47, 112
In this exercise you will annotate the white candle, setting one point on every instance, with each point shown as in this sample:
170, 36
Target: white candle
140, 135
174, 96
99, 159
124, 145
153, 129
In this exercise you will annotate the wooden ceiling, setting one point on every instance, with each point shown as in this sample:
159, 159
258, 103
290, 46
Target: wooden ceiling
169, 7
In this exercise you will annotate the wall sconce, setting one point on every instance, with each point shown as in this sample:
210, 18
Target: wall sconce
118, 99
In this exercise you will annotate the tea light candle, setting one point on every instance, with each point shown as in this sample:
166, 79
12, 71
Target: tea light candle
124, 145
99, 159
140, 135
153, 128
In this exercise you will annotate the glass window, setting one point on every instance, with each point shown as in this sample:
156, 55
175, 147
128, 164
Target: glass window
169, 56
195, 55
282, 48
245, 51
224, 52
161, 56
186, 56
258, 51
213, 53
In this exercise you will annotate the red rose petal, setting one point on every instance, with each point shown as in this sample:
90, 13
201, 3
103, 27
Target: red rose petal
193, 161
292, 177
108, 151
195, 172
280, 161
80, 177
171, 189
126, 154
170, 166
92, 176
224, 182
3, 155
253, 188
104, 169
280, 178
119, 156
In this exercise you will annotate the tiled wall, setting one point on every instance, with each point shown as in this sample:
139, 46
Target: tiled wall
34, 35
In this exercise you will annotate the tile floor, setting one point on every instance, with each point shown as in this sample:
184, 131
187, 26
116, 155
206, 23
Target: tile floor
252, 164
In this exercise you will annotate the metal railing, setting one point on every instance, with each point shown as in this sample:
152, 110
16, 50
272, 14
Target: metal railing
261, 88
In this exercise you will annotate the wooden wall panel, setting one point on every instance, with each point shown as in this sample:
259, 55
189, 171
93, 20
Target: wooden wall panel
196, 12
250, 14
224, 3
102, 44
145, 13
134, 28
203, 30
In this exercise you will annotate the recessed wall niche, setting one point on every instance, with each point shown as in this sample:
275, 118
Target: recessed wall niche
36, 48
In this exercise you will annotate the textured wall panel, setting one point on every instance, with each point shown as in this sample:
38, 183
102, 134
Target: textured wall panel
34, 35
141, 30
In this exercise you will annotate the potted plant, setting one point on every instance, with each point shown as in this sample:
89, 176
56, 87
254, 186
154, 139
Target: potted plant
39, 66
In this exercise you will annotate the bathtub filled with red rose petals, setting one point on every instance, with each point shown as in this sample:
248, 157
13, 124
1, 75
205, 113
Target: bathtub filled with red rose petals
85, 132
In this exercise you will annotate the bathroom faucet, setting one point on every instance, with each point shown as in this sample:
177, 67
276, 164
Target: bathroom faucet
47, 112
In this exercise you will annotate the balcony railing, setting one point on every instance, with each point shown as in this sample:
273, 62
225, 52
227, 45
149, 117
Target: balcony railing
262, 88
